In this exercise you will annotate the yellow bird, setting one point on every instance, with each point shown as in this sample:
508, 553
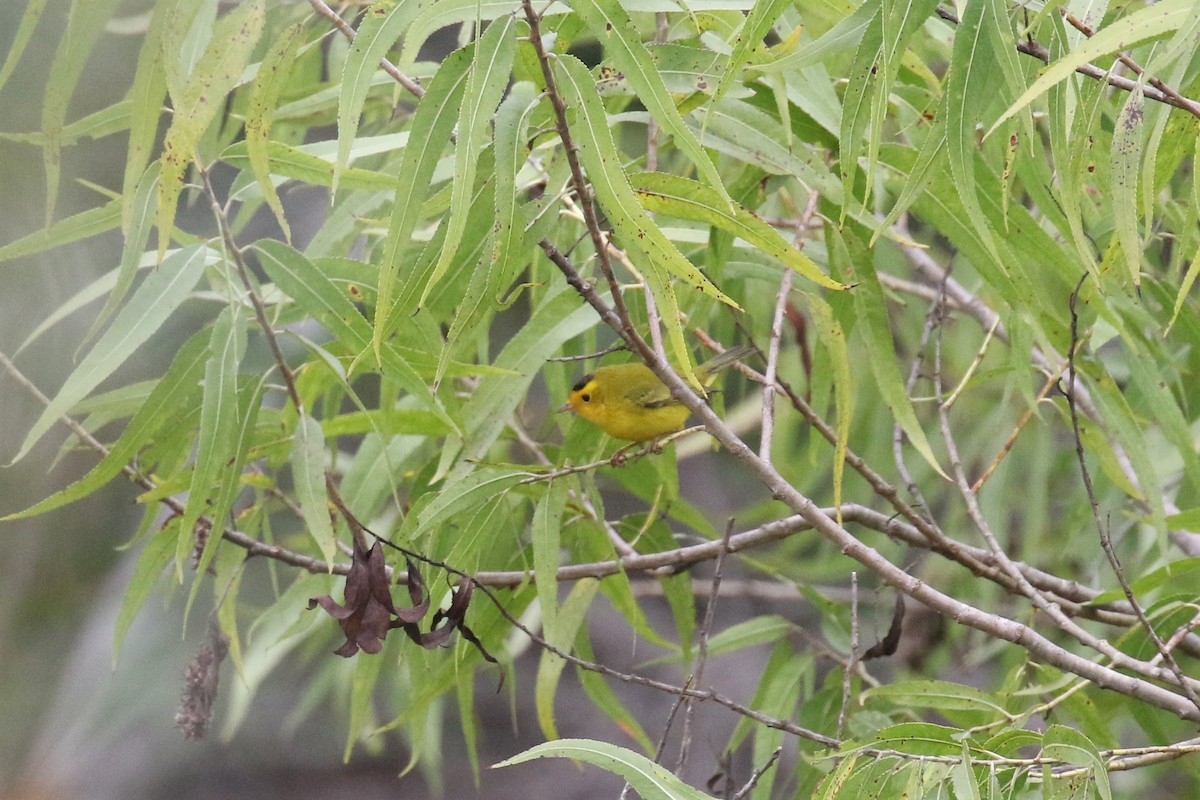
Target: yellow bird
629, 402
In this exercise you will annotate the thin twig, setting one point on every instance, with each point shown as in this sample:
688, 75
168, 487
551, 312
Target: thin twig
852, 659
702, 646
756, 776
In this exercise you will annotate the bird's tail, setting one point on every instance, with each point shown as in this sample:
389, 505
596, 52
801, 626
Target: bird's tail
719, 362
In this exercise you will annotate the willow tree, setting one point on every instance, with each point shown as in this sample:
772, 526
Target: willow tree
960, 239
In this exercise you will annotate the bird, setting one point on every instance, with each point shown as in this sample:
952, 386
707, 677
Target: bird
629, 402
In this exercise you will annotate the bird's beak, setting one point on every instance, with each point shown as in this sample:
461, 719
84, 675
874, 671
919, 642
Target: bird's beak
564, 407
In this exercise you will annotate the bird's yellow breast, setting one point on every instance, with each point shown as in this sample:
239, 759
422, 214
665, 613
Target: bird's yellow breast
628, 402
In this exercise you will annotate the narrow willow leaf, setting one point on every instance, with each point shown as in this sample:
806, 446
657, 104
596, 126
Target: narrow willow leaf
1185, 286
227, 583
843, 37
150, 306
967, 93
146, 105
486, 81
544, 536
962, 778
1120, 419
307, 285
24, 33
162, 407
508, 255
308, 471
675, 196
382, 24
560, 634
634, 229
650, 780
937, 694
610, 23
462, 492
362, 695
1145, 23
216, 441
871, 308
293, 162
918, 179
71, 229
468, 719
271, 78
684, 69
749, 633
245, 413
749, 134
560, 317
85, 23
154, 558
140, 219
444, 13
431, 126
604, 698
871, 75
216, 74
1127, 141
749, 39
833, 338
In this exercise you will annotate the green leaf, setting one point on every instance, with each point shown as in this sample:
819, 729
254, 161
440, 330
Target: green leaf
871, 308
382, 24
967, 92
749, 633
139, 211
610, 23
634, 229
308, 471
154, 558
651, 781
936, 694
463, 491
22, 37
602, 695
1127, 141
674, 196
307, 285
1145, 23
833, 338
486, 81
1071, 746
216, 74
72, 229
544, 536
302, 165
163, 291
216, 442
145, 105
85, 23
839, 39
560, 631
431, 126
271, 78
508, 254
749, 39
161, 408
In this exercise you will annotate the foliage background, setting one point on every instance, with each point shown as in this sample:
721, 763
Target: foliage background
1123, 197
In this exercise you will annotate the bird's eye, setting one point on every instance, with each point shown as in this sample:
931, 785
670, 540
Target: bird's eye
587, 398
